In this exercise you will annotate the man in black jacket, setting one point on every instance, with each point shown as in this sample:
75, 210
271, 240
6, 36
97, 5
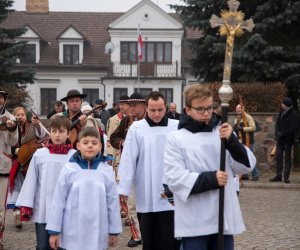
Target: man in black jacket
172, 114
285, 130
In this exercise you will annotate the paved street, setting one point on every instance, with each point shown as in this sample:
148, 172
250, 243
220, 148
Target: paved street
272, 218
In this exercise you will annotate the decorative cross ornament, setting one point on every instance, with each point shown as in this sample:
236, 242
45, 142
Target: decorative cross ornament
231, 24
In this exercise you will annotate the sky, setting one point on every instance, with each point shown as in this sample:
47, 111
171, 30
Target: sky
96, 5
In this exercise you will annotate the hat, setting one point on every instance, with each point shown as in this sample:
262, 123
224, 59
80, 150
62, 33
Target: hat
287, 101
72, 94
136, 97
86, 108
2, 92
124, 99
101, 102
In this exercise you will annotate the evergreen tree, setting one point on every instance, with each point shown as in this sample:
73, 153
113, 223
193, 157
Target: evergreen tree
270, 53
10, 77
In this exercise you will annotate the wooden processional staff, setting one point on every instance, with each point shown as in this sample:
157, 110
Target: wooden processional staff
231, 24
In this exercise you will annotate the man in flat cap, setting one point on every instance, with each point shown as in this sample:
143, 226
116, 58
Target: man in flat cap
285, 130
8, 138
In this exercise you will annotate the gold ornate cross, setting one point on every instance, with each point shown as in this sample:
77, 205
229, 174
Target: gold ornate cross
231, 24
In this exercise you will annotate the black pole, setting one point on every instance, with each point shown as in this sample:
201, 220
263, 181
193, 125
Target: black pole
221, 192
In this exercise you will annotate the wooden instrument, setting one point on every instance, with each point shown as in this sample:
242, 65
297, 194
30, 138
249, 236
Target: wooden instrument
245, 123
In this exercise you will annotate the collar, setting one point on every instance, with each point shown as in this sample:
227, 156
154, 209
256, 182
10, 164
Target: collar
194, 126
162, 123
93, 164
61, 149
67, 114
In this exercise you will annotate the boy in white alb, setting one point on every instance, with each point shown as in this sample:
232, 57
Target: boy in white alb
85, 212
192, 159
37, 191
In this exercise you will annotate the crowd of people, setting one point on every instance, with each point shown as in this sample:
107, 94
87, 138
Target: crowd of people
89, 167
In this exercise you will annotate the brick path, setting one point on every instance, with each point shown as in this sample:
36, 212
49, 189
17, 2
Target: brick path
272, 218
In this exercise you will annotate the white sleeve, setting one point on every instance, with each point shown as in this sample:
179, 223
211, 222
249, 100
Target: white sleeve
176, 174
239, 168
128, 162
29, 187
112, 197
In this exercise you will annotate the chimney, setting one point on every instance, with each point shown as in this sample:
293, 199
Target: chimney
41, 6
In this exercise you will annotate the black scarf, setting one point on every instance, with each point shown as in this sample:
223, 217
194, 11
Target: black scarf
163, 122
194, 126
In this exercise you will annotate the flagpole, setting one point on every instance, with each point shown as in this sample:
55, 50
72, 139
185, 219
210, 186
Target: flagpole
138, 62
139, 56
138, 74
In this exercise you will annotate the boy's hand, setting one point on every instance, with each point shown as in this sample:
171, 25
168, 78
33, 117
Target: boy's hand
54, 241
225, 131
113, 240
222, 178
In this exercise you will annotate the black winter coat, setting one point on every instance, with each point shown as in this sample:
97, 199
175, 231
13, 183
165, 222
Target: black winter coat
286, 127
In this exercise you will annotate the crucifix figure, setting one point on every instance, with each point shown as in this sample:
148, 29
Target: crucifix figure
231, 24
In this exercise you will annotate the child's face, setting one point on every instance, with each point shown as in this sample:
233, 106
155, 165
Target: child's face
89, 147
200, 110
59, 136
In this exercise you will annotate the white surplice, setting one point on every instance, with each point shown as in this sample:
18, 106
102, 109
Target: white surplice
187, 155
142, 164
85, 207
41, 178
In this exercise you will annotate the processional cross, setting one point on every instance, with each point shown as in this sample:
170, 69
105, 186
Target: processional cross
231, 24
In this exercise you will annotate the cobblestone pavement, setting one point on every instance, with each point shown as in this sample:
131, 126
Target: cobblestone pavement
272, 218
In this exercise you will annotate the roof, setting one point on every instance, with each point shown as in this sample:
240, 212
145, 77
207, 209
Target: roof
93, 26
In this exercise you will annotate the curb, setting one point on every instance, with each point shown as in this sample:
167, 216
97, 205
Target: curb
270, 185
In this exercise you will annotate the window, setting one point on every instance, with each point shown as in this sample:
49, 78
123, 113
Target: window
128, 52
143, 91
48, 98
92, 95
29, 56
118, 92
157, 52
71, 54
168, 93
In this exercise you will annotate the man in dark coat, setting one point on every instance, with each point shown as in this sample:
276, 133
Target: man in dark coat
285, 130
172, 114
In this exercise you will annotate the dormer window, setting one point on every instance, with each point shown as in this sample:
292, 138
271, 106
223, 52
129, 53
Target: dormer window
31, 51
71, 44
29, 54
71, 54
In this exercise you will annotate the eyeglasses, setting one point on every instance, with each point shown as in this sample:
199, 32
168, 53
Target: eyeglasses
201, 110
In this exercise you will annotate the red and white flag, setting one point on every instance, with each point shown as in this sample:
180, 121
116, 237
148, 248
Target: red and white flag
140, 43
